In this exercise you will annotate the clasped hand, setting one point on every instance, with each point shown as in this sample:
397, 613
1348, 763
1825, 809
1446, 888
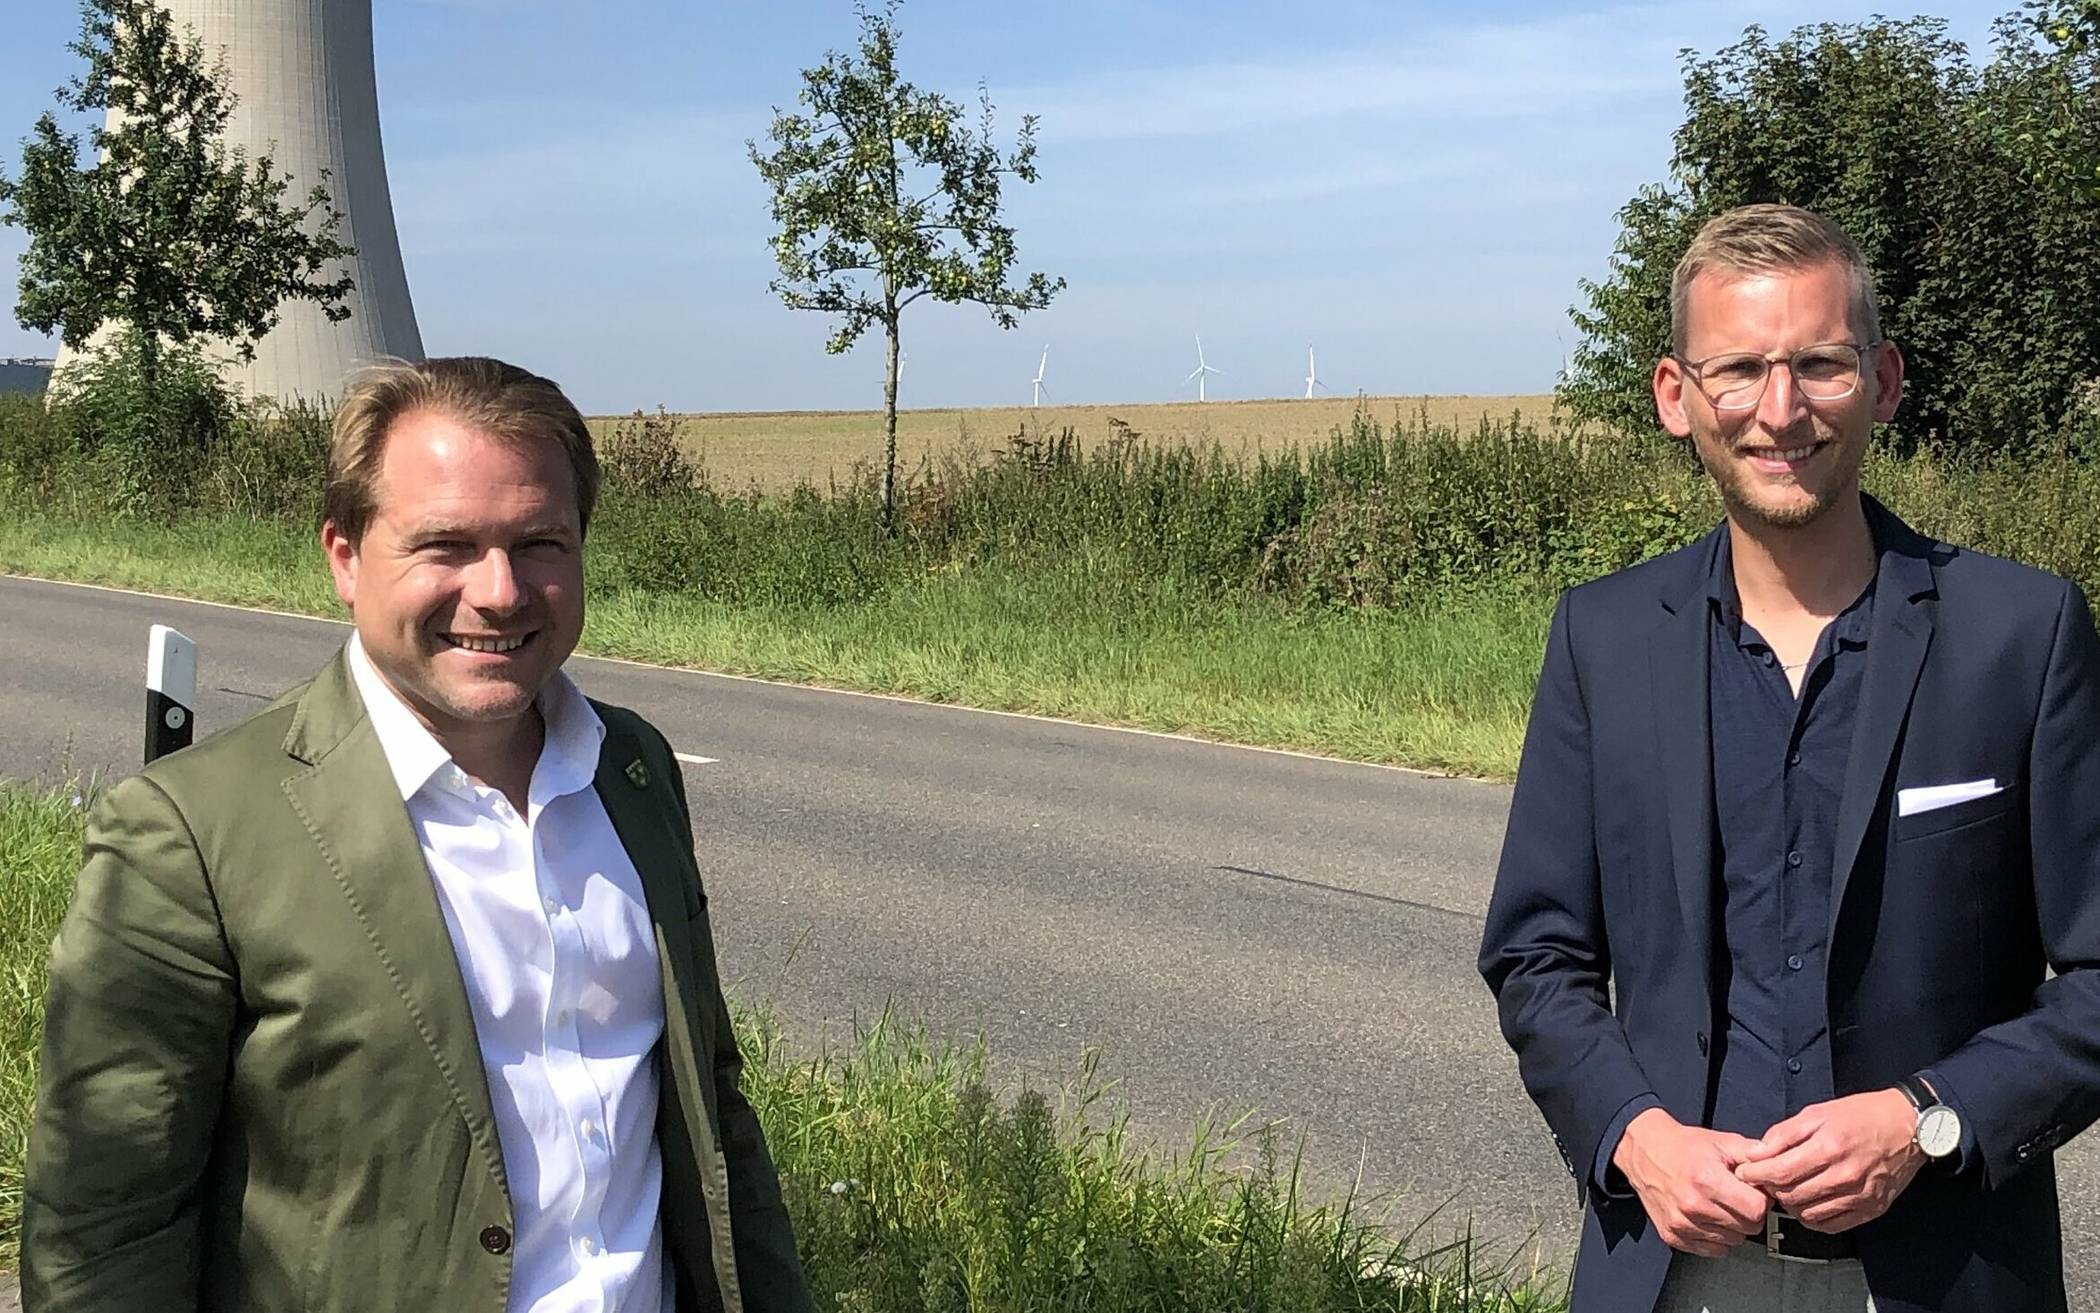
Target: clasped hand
1834, 1165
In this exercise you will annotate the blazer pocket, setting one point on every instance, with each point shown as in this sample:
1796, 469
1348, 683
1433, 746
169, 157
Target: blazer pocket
1975, 811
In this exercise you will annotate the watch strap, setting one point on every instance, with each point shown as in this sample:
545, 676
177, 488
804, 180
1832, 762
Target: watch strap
1919, 1093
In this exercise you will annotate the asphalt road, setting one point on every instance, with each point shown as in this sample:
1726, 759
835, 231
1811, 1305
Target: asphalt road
1233, 929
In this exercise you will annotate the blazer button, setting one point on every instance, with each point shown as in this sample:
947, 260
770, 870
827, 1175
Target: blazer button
1702, 1043
495, 1239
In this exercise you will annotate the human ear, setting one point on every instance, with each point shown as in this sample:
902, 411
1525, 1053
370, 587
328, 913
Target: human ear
1668, 387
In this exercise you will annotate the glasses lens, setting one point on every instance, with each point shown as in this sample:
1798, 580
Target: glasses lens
1732, 382
1827, 372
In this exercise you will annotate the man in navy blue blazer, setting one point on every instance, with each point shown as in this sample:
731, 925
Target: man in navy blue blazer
1796, 933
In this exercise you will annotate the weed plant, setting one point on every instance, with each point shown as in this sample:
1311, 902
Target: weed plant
912, 1185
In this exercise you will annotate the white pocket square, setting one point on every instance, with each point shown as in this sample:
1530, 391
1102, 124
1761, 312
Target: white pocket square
1910, 802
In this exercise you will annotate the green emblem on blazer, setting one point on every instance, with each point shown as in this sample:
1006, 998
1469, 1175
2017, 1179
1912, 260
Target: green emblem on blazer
637, 774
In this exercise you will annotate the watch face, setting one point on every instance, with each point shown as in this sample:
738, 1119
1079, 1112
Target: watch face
1939, 1131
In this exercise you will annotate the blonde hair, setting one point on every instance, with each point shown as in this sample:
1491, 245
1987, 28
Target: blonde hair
1763, 239
510, 403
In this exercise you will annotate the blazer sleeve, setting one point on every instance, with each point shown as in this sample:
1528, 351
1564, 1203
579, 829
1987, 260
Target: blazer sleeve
138, 1025
1545, 952
768, 1269
2026, 1085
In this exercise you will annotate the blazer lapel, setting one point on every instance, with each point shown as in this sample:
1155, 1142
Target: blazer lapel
1896, 646
350, 805
637, 800
1678, 679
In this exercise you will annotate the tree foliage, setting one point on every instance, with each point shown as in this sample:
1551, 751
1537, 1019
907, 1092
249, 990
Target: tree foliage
1959, 182
884, 195
157, 224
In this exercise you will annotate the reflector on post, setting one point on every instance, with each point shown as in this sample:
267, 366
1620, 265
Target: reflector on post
171, 692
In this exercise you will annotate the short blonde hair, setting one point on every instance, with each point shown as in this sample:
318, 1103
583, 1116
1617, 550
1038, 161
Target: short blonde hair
1763, 239
510, 403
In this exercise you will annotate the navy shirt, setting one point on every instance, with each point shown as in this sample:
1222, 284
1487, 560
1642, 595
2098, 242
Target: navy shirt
1779, 772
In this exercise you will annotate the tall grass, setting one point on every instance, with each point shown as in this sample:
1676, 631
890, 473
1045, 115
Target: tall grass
914, 1185
39, 849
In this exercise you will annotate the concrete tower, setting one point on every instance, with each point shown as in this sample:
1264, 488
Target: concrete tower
307, 95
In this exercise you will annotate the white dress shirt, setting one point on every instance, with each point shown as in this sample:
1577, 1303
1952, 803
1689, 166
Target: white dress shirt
559, 957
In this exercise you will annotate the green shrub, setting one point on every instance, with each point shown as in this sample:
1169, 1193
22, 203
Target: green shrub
800, 548
643, 456
1968, 184
143, 427
268, 464
36, 452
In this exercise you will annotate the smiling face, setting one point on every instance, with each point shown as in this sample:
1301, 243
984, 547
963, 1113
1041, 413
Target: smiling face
467, 586
1787, 460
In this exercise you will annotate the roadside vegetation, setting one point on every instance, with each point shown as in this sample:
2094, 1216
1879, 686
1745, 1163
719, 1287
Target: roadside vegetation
775, 450
917, 1179
1380, 595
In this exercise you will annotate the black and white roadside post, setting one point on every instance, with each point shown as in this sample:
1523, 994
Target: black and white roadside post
171, 692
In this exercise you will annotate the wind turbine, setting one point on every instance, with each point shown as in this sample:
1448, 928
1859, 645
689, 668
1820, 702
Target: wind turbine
1202, 368
1312, 375
1040, 366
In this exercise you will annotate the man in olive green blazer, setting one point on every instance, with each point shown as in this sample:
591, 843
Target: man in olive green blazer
262, 1086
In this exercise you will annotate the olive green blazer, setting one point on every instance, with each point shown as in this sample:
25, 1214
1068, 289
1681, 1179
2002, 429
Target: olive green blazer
261, 1087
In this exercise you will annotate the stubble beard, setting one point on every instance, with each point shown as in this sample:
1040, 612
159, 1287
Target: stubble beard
1736, 481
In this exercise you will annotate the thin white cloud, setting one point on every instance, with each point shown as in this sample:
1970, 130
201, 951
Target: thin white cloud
1343, 178
1576, 61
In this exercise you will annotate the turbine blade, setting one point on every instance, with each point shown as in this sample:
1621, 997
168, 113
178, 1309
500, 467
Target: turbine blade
1195, 373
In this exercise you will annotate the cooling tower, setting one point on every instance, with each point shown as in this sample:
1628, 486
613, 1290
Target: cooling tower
307, 96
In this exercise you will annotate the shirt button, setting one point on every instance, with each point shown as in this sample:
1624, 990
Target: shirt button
1793, 859
589, 1128
1794, 1065
588, 1245
1793, 963
1793, 758
1769, 658
551, 906
495, 1239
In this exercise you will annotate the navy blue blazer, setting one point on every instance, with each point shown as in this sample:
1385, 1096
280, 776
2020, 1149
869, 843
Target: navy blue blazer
1600, 941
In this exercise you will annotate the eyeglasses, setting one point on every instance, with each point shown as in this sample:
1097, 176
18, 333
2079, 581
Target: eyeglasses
1735, 380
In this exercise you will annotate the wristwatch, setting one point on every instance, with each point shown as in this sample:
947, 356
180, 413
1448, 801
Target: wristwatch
1938, 1133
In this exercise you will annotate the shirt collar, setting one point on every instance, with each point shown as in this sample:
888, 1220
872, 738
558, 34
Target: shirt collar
568, 759
1851, 625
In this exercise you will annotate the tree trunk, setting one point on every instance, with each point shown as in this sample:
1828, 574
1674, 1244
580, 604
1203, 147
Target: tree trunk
889, 432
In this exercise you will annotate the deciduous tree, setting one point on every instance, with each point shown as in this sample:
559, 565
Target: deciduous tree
1953, 179
156, 224
883, 196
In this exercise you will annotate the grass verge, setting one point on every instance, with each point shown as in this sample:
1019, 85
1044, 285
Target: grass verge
39, 850
1442, 682
913, 1185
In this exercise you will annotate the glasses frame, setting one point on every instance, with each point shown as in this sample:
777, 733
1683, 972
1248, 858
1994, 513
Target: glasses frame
1696, 368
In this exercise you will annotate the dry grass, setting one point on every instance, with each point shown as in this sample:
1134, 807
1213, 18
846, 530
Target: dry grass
776, 449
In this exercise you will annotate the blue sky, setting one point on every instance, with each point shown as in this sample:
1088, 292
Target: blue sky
1413, 188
